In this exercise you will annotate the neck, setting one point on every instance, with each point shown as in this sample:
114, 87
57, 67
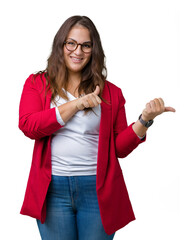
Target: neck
74, 78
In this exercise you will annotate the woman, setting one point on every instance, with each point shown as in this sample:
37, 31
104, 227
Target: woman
76, 188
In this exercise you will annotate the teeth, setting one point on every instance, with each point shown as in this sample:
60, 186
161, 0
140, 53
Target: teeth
77, 58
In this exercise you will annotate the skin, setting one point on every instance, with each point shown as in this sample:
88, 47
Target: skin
153, 109
75, 62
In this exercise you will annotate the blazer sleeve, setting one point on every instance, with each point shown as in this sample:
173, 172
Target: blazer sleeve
34, 121
126, 139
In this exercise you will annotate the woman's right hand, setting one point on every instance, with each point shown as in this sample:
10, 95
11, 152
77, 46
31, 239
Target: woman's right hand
90, 100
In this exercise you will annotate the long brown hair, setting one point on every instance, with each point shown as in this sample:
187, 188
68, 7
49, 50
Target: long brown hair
94, 73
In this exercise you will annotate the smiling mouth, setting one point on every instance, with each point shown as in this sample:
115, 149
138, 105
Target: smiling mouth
76, 60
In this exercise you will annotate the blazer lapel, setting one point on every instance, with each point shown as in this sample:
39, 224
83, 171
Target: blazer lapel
104, 138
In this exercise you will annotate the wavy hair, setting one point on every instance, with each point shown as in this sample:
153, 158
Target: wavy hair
94, 73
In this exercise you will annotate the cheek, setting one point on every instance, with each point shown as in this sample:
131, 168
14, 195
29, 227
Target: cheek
66, 57
65, 52
88, 58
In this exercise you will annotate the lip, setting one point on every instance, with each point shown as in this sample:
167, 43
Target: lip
76, 59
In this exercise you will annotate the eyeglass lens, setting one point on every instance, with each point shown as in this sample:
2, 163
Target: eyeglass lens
71, 45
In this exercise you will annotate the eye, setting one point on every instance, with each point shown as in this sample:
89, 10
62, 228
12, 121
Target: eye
70, 43
87, 45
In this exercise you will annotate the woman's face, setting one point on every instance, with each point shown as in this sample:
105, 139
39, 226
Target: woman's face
76, 60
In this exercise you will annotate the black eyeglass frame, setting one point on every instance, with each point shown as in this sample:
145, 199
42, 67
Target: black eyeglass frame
77, 44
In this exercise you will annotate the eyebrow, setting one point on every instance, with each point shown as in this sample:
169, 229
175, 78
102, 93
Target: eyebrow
83, 42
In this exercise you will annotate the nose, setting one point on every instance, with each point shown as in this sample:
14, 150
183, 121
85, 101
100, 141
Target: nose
78, 50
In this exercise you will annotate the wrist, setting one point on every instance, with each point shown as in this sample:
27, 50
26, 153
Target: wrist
139, 129
78, 105
146, 119
145, 123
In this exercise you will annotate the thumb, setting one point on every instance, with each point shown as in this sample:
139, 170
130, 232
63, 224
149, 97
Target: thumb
169, 109
97, 90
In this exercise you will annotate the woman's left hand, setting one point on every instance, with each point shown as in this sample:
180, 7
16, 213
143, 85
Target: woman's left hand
155, 108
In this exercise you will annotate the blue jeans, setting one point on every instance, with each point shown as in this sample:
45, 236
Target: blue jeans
72, 210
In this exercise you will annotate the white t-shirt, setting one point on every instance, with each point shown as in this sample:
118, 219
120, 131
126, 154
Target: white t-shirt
74, 147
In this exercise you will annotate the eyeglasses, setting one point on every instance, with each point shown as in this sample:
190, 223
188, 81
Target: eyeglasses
71, 45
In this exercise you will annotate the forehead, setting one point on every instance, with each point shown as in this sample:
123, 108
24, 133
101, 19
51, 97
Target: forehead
79, 33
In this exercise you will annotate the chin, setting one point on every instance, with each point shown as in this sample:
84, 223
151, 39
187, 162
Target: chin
77, 69
73, 70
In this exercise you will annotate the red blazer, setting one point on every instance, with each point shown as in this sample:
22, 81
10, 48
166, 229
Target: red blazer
116, 140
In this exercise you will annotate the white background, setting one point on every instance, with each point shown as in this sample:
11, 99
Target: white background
156, 61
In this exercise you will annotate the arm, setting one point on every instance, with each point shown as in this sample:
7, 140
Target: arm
126, 140
35, 122
126, 137
67, 110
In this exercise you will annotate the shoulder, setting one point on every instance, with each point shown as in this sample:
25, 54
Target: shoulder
113, 88
116, 92
36, 80
112, 85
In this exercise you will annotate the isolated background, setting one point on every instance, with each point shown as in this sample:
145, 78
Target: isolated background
156, 61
